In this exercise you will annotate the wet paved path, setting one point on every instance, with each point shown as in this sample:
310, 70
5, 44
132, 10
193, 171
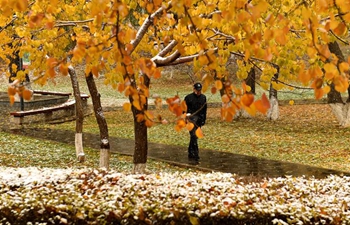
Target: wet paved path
211, 160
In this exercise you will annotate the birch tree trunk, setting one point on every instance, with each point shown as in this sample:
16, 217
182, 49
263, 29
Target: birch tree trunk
273, 113
101, 120
79, 113
339, 108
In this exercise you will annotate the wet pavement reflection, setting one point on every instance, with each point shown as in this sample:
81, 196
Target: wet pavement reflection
211, 160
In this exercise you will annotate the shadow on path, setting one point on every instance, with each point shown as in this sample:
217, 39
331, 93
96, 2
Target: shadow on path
211, 160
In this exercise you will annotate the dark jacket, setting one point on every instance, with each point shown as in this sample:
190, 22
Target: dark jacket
196, 105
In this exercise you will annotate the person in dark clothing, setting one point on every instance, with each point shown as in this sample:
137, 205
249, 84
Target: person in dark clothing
196, 113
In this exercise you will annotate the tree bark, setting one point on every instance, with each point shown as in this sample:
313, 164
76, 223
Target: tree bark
250, 80
101, 120
340, 109
273, 112
141, 137
79, 113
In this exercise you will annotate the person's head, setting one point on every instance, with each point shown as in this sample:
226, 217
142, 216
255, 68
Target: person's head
197, 88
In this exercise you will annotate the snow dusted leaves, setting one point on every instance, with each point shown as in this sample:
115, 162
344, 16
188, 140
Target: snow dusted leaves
99, 195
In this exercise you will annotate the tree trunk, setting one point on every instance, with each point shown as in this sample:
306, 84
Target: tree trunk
17, 62
101, 120
79, 113
339, 108
250, 80
273, 112
141, 138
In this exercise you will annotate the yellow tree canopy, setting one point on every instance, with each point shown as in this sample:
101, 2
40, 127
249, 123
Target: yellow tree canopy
118, 38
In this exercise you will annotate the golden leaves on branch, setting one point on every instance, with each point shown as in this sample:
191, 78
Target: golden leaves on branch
317, 86
242, 100
176, 106
51, 63
263, 104
180, 124
148, 67
21, 90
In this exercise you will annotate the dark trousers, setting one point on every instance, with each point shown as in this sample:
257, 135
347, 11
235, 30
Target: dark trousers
193, 152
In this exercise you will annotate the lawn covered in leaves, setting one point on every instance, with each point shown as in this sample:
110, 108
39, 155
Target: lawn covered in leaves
307, 134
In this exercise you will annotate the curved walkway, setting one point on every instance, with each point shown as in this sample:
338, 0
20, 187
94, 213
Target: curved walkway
211, 160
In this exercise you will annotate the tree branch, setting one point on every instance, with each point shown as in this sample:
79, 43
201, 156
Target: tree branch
146, 24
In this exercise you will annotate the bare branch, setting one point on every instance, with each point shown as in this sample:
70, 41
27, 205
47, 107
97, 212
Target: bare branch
168, 48
146, 24
163, 61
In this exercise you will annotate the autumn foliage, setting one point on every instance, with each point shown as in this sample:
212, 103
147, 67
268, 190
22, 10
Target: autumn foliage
118, 39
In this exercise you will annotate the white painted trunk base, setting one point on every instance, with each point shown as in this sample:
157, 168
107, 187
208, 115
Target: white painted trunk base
79, 147
342, 113
241, 113
140, 168
273, 113
104, 158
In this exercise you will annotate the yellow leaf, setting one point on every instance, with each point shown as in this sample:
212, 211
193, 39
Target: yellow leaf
149, 7
11, 90
157, 74
180, 124
140, 117
51, 62
247, 99
341, 84
281, 37
127, 106
51, 72
218, 84
203, 60
63, 69
251, 109
343, 67
262, 105
121, 87
291, 102
136, 104
346, 17
199, 133
149, 123
242, 17
27, 94
149, 115
21, 5
94, 71
317, 84
312, 52
326, 89
340, 29
318, 93
213, 90
225, 98
189, 126
123, 10
12, 99
183, 106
